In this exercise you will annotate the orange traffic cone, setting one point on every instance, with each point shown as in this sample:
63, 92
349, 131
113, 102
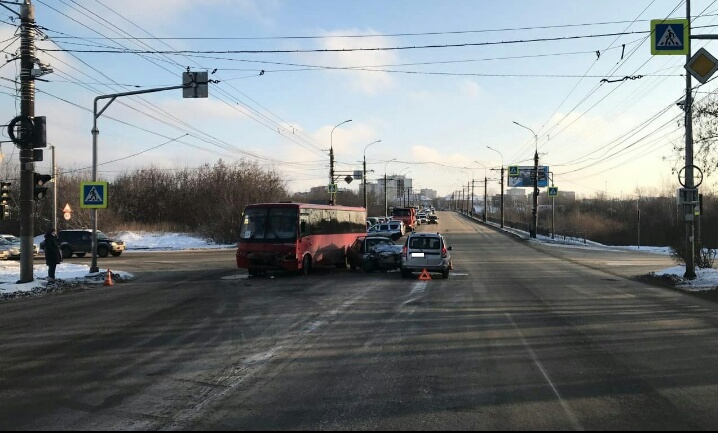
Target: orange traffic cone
108, 279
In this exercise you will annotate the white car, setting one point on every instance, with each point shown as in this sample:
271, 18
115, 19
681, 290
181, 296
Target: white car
13, 249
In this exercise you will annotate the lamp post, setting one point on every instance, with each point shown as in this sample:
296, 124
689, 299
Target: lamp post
468, 191
401, 173
332, 199
486, 191
502, 184
364, 177
386, 202
534, 209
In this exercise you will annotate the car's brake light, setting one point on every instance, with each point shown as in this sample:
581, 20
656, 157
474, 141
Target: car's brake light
443, 252
404, 250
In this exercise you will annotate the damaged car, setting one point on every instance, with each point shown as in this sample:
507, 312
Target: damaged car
374, 253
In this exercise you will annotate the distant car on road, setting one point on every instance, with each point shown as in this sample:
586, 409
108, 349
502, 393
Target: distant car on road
433, 219
372, 253
14, 250
392, 230
79, 243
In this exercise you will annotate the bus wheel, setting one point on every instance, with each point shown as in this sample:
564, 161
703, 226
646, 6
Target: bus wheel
306, 265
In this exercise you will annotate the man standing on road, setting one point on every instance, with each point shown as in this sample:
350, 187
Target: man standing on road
53, 256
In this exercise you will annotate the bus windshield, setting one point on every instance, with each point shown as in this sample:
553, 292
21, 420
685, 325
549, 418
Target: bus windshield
269, 223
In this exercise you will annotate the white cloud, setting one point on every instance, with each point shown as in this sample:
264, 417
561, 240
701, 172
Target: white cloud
369, 82
470, 89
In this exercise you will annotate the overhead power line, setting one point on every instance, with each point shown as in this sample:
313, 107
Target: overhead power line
344, 50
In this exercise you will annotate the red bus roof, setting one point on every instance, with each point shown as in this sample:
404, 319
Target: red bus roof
305, 206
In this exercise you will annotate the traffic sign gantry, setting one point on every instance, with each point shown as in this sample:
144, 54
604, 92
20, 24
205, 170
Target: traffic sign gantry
670, 37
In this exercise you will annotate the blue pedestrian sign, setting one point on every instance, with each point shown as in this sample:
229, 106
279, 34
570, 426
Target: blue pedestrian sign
670, 37
93, 195
553, 191
513, 171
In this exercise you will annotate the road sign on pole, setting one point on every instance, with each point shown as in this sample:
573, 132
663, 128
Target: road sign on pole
93, 195
670, 37
702, 65
553, 191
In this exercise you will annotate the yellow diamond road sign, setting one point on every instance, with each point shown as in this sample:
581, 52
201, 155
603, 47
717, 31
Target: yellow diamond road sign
702, 65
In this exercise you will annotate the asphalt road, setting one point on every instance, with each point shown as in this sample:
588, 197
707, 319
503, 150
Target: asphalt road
521, 336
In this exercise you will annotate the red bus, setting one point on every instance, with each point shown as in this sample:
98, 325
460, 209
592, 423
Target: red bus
297, 236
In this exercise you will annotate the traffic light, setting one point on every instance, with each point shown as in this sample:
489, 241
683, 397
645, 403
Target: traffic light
41, 186
4, 199
39, 136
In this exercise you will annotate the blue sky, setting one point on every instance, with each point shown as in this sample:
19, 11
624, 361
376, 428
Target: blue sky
435, 110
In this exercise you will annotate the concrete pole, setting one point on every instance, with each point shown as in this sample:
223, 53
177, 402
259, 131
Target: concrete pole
689, 209
54, 190
27, 168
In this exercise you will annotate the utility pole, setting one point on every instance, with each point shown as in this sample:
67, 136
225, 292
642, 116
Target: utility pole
386, 199
534, 210
331, 175
54, 190
27, 168
689, 208
486, 192
472, 196
502, 195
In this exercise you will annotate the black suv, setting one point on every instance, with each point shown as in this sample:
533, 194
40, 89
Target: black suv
79, 243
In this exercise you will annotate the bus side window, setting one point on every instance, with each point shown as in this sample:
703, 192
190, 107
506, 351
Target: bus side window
303, 228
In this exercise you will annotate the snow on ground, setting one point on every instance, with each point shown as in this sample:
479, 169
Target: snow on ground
73, 272
707, 279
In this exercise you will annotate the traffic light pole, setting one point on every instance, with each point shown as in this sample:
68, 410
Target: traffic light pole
689, 209
27, 109
95, 134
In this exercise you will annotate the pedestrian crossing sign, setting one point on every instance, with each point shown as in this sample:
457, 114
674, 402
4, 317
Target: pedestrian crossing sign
553, 191
93, 195
670, 37
513, 171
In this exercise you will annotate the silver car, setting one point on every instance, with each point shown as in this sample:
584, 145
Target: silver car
392, 230
425, 251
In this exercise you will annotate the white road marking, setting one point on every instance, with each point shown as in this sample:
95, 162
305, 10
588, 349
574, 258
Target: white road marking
569, 413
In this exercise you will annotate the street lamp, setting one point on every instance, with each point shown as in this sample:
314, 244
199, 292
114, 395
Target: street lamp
332, 193
534, 210
408, 188
386, 202
469, 190
502, 184
486, 192
364, 178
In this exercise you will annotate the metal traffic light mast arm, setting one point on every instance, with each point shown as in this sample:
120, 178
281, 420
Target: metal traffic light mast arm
96, 132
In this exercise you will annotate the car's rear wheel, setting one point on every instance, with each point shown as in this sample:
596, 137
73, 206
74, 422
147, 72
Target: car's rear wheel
445, 274
66, 252
368, 266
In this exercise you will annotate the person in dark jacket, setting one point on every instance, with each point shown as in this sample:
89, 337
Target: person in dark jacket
53, 255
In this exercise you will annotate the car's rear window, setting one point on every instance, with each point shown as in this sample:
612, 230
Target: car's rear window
425, 243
